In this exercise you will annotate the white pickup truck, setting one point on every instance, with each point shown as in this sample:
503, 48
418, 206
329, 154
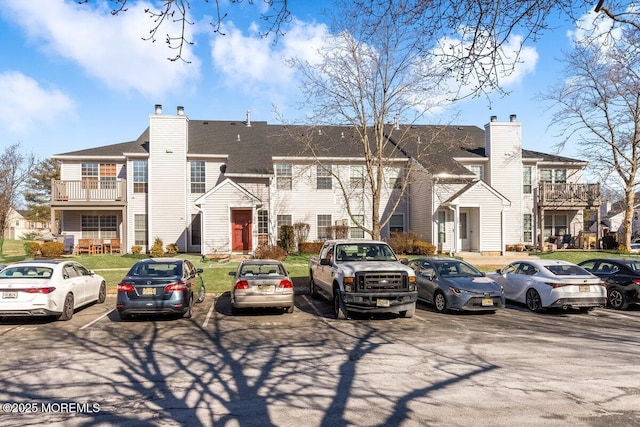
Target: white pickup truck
363, 276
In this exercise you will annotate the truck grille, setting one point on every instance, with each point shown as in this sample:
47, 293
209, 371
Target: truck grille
381, 281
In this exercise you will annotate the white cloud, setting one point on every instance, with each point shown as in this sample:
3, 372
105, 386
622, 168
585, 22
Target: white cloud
257, 65
25, 104
109, 48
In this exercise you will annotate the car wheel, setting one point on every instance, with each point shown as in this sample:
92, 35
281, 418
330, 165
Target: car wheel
440, 302
313, 291
67, 308
408, 313
189, 311
102, 293
617, 300
338, 313
202, 295
290, 309
533, 300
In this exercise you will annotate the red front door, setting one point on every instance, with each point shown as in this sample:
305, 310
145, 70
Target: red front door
241, 230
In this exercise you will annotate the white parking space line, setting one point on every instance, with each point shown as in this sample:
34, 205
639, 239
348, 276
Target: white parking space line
313, 306
97, 319
210, 313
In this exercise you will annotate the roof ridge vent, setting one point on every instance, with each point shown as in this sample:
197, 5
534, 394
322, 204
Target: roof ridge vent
238, 138
248, 118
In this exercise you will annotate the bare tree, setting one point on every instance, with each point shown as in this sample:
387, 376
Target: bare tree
599, 104
15, 168
371, 72
469, 35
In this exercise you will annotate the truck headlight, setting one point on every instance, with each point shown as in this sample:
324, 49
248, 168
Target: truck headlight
348, 284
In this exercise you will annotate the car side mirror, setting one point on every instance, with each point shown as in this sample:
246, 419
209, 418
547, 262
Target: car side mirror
325, 261
199, 271
404, 261
232, 273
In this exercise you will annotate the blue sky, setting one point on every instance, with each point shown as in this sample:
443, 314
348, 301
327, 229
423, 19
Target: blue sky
74, 77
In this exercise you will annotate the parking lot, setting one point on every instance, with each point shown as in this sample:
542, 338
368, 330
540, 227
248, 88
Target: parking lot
267, 368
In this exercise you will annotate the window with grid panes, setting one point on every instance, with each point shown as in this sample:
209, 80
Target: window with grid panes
394, 178
396, 224
284, 177
323, 177
140, 176
356, 178
322, 226
526, 180
197, 176
140, 229
282, 220
356, 232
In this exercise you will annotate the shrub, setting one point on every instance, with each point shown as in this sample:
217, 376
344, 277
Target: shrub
310, 247
420, 247
287, 239
402, 243
136, 249
301, 232
172, 249
157, 249
52, 249
32, 248
270, 252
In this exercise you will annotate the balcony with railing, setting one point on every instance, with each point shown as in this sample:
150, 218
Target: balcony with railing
88, 192
568, 195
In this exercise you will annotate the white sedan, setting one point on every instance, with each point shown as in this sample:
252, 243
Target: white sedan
551, 283
48, 288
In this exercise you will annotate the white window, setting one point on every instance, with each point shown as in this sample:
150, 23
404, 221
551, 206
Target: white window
357, 177
282, 220
527, 225
355, 231
323, 177
323, 227
526, 180
197, 176
394, 178
478, 170
284, 176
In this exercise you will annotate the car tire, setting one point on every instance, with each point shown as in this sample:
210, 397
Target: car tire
440, 302
338, 313
313, 290
406, 314
67, 308
616, 299
533, 301
201, 297
102, 293
188, 313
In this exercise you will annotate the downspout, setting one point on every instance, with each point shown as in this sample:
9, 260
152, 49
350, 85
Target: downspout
454, 209
202, 229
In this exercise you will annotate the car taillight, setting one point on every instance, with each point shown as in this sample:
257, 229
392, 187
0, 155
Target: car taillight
242, 284
636, 281
125, 287
178, 286
46, 290
556, 285
284, 283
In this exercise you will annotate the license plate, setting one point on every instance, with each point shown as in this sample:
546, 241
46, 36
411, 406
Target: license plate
148, 291
383, 303
584, 288
487, 302
264, 288
9, 295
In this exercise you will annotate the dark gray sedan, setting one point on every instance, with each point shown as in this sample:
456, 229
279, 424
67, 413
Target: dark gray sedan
160, 286
451, 284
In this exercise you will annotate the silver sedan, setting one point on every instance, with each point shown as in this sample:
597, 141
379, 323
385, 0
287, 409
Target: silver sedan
451, 284
261, 283
551, 283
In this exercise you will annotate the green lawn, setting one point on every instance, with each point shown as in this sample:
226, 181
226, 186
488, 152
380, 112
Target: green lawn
215, 274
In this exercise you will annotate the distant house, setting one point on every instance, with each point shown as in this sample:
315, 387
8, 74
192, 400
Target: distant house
22, 228
227, 186
612, 216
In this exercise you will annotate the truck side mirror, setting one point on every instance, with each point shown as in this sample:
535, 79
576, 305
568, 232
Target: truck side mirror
325, 261
404, 261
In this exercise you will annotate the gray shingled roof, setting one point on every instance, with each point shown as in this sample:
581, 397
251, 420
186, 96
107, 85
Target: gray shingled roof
250, 149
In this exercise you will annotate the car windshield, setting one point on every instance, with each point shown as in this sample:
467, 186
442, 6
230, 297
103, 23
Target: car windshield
266, 269
364, 252
27, 272
457, 269
567, 270
156, 269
